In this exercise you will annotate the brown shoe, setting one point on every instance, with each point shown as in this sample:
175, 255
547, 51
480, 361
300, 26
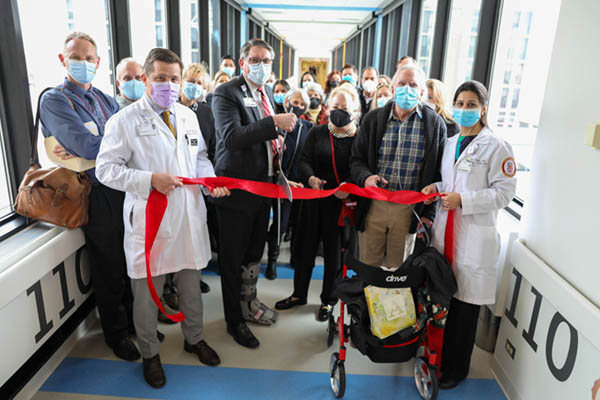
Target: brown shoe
153, 372
205, 353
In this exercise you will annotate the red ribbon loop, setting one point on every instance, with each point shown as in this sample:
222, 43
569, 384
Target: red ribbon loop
157, 205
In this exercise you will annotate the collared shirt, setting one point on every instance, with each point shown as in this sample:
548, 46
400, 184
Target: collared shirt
402, 151
159, 110
123, 102
258, 99
78, 129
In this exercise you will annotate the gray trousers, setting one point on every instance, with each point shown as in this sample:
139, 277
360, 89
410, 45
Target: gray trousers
145, 311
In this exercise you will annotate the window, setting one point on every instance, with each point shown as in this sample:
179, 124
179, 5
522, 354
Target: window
5, 193
147, 21
42, 47
525, 39
461, 43
190, 36
425, 47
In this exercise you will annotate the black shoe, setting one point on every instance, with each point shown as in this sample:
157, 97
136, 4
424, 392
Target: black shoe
160, 336
204, 288
172, 300
448, 382
271, 272
288, 302
205, 353
126, 350
153, 372
242, 335
324, 312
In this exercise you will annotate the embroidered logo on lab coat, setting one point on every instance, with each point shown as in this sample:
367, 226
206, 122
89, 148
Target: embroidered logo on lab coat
509, 167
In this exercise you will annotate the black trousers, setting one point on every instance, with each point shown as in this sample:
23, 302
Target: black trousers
104, 240
242, 236
286, 211
317, 221
459, 339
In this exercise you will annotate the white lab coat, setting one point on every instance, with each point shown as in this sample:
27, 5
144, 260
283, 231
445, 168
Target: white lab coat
484, 178
137, 143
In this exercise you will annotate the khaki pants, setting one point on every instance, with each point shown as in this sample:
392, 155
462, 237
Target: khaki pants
385, 240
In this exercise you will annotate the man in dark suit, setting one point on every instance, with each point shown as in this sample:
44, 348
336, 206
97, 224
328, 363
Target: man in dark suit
247, 147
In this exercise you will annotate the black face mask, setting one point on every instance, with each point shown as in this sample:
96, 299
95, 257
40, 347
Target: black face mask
299, 111
333, 84
314, 103
340, 118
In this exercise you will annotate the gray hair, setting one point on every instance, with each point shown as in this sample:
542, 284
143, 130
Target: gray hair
419, 75
245, 50
292, 92
315, 87
79, 35
123, 63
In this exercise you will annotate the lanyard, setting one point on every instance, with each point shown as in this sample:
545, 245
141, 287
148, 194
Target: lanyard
86, 104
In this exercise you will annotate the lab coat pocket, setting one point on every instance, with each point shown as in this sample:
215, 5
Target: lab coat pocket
482, 246
138, 222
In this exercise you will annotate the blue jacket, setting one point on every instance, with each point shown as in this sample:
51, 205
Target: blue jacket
294, 141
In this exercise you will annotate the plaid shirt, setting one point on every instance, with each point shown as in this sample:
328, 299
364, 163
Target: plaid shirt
402, 151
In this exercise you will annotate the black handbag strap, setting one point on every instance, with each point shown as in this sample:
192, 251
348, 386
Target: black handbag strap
33, 159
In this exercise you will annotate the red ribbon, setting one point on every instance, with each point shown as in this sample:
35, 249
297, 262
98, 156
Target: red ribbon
157, 205
449, 238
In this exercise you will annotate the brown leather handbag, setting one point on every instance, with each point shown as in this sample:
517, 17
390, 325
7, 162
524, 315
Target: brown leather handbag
55, 195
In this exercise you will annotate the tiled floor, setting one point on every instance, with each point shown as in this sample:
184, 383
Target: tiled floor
292, 362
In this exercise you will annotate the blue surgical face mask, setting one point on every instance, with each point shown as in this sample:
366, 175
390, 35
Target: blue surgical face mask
82, 71
406, 97
192, 90
466, 118
382, 101
348, 78
259, 73
132, 89
279, 97
229, 70
305, 84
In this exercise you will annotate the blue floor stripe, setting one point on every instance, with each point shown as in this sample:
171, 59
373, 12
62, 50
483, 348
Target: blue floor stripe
124, 379
284, 271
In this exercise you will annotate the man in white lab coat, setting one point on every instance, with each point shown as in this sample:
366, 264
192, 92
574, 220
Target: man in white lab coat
147, 146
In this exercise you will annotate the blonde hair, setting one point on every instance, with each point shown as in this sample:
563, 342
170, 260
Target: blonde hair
218, 75
193, 70
351, 96
437, 88
376, 95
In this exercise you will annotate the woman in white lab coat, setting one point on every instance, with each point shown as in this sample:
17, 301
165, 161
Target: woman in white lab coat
478, 170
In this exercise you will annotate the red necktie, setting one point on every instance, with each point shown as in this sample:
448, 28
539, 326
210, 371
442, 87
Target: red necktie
275, 143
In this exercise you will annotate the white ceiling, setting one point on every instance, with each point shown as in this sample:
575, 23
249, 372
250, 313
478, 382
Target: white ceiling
314, 32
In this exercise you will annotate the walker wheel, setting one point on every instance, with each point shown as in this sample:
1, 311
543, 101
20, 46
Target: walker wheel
337, 377
426, 379
331, 330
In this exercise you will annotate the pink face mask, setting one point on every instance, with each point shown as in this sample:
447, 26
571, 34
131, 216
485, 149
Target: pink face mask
165, 94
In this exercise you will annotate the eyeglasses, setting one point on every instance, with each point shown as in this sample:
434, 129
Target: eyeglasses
256, 60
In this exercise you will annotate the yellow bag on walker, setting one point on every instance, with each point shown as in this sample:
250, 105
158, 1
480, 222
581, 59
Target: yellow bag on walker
390, 310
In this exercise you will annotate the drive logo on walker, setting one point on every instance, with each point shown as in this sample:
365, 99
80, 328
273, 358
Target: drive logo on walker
393, 278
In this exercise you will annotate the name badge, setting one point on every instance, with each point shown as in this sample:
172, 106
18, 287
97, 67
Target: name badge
147, 129
249, 102
192, 139
465, 166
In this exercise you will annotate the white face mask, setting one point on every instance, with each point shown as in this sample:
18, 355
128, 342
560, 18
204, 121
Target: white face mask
259, 73
370, 86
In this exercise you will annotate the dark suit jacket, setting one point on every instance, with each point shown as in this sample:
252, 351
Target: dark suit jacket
365, 155
294, 141
241, 151
206, 121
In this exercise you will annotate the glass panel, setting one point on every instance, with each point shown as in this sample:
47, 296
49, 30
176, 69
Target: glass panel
425, 47
60, 17
5, 192
525, 39
461, 43
190, 36
147, 20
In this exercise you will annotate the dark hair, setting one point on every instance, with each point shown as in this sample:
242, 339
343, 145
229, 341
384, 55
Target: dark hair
227, 57
160, 54
370, 67
411, 59
329, 76
255, 43
308, 73
350, 66
283, 83
481, 92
